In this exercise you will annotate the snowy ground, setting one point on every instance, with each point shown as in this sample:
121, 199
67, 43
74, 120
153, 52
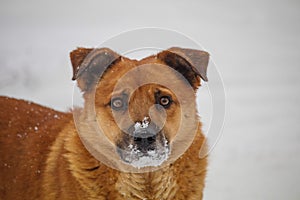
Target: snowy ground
255, 44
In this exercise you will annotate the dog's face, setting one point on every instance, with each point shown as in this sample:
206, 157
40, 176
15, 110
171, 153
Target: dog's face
141, 106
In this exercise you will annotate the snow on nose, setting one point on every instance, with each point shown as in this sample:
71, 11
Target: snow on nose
142, 125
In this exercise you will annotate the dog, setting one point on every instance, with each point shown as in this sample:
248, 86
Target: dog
151, 136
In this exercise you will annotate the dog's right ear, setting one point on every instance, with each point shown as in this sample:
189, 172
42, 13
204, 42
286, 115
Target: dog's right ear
191, 63
89, 64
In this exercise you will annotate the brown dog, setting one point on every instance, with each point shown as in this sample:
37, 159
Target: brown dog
152, 134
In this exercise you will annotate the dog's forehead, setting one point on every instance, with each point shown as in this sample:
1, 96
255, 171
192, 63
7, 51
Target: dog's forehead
139, 71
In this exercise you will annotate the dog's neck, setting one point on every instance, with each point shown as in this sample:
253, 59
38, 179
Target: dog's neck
152, 185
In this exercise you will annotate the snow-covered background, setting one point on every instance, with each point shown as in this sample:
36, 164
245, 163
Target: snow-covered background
255, 44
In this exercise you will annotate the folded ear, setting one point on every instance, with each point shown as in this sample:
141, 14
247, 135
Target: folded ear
89, 64
77, 56
191, 63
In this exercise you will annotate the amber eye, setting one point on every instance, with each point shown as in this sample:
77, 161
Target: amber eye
117, 104
165, 101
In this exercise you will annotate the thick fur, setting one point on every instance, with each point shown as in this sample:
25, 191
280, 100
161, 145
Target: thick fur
42, 156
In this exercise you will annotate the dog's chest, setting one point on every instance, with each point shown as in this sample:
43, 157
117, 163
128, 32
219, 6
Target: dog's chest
155, 185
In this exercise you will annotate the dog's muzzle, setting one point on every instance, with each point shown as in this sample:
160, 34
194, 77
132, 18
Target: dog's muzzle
144, 136
144, 145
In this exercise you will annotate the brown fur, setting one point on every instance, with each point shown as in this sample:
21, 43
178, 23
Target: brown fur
42, 156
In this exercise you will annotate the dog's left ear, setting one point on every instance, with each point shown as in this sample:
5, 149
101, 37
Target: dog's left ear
77, 56
192, 64
89, 64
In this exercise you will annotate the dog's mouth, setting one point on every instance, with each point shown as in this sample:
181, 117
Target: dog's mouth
149, 151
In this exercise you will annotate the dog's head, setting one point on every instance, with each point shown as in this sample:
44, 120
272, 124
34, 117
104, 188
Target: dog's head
141, 106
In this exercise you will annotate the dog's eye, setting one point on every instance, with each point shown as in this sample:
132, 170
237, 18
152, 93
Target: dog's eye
117, 104
165, 101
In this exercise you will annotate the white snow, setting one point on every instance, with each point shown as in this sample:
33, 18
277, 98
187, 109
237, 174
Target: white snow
152, 158
143, 125
55, 116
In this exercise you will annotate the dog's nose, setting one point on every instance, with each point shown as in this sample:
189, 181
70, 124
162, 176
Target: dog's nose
144, 135
145, 142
